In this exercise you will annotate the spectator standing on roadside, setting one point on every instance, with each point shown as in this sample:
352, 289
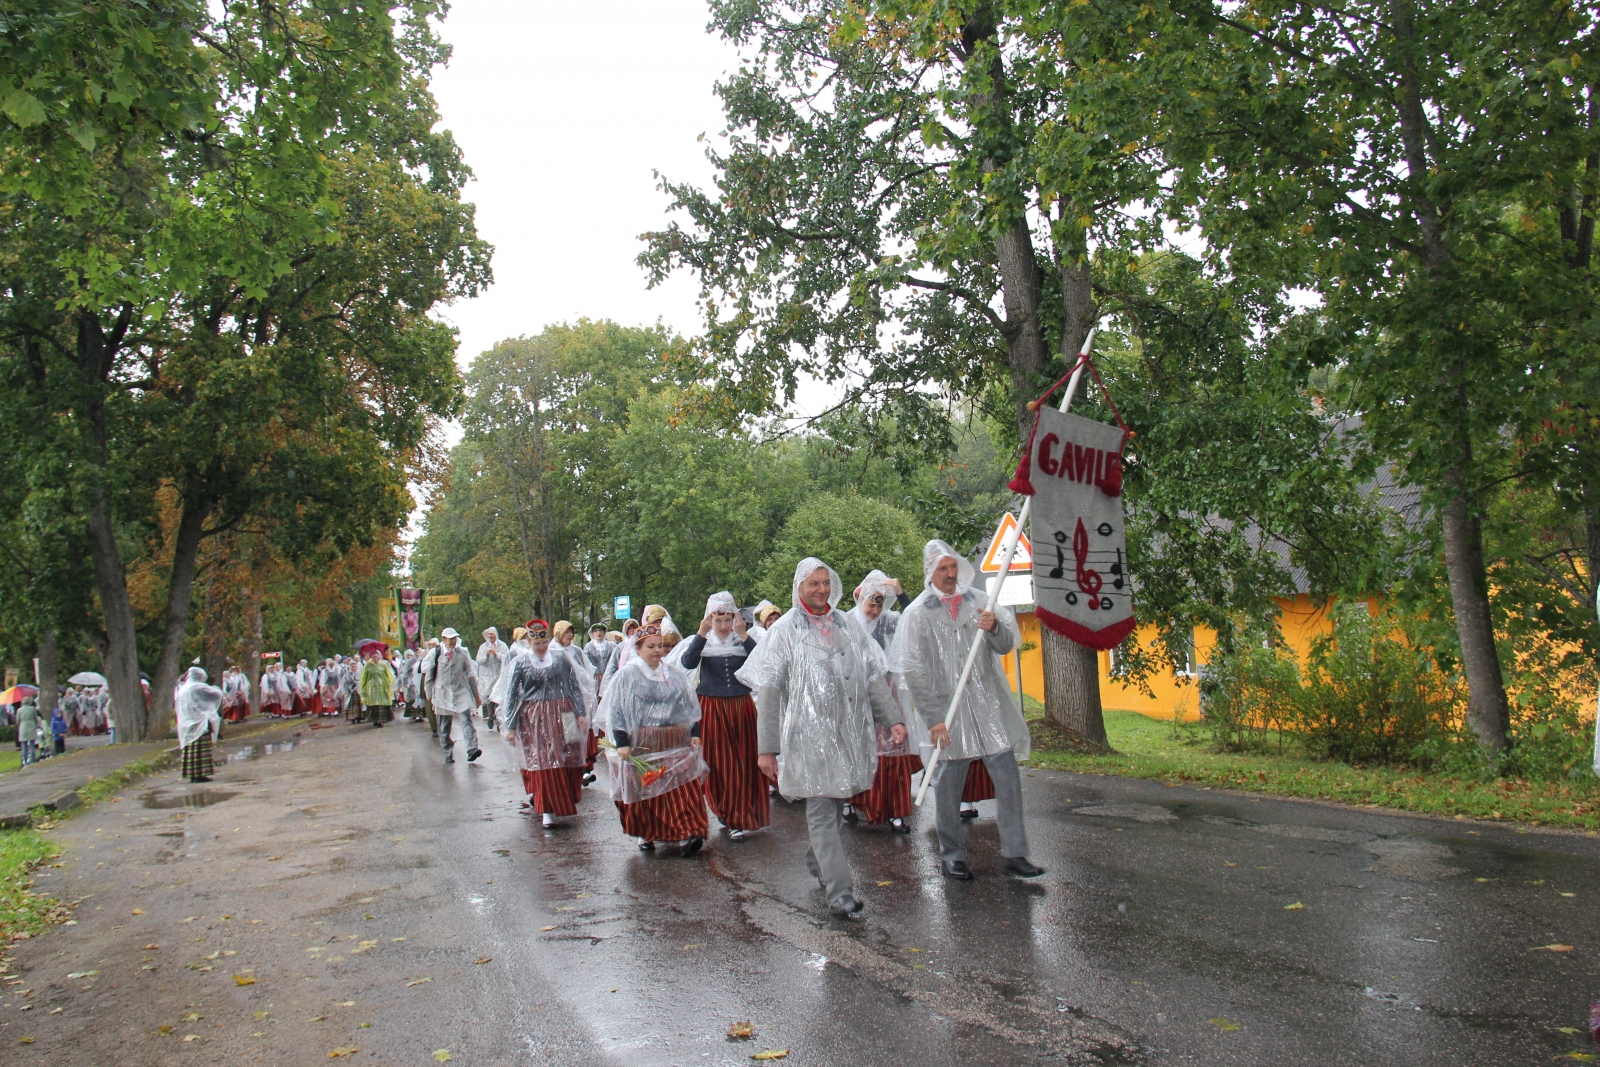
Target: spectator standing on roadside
28, 730
58, 729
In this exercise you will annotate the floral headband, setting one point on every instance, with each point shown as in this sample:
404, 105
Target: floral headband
648, 630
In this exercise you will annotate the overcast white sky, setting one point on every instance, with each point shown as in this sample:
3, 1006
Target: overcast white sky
563, 111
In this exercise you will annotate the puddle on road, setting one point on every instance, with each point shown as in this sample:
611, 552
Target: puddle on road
200, 798
254, 752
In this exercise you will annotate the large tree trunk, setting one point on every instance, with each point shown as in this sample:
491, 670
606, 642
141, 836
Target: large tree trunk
48, 680
214, 655
120, 656
1488, 712
180, 589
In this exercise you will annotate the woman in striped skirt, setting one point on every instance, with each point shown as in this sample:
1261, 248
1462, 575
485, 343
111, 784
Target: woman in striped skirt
199, 723
566, 644
546, 714
657, 774
889, 799
735, 788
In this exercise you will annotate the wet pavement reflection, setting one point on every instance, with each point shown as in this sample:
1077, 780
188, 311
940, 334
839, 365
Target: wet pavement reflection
1173, 924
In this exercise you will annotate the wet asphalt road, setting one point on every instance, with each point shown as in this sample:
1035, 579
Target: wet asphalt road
356, 879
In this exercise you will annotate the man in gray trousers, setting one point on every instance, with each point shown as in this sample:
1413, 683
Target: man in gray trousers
452, 686
819, 690
930, 648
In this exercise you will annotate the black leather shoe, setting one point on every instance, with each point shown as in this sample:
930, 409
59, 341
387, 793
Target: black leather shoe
969, 813
846, 906
958, 869
691, 847
647, 846
474, 754
1019, 866
900, 826
851, 817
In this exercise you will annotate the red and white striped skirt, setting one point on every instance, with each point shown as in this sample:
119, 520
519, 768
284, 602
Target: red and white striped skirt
735, 787
890, 795
675, 816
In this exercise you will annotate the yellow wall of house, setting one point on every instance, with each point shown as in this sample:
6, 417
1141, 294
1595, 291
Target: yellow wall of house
1174, 695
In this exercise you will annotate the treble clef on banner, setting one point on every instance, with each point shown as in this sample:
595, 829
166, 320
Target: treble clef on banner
1088, 580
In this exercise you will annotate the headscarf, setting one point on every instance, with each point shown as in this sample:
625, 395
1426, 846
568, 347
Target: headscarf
716, 645
876, 582
197, 706
932, 553
561, 627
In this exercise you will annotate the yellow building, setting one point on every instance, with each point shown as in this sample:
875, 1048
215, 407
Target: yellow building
1176, 692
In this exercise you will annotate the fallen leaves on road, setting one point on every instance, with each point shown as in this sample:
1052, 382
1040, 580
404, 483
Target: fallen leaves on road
1296, 906
1581, 1057
546, 929
1551, 948
191, 1037
347, 1003
83, 974
885, 883
484, 959
772, 1054
243, 979
363, 1026
1225, 1025
442, 1055
418, 981
24, 1040
163, 1030
364, 946
697, 944
193, 1017
138, 911
149, 948
336, 1053
741, 1031
215, 955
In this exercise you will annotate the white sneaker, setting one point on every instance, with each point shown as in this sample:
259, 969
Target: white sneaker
737, 835
549, 820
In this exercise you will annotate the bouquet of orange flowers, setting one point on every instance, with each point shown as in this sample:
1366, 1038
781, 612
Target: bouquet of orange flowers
649, 773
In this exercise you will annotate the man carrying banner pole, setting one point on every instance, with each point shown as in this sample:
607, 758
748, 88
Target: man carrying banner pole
968, 709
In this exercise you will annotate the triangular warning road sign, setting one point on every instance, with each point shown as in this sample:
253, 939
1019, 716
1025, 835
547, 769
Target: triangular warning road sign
1022, 561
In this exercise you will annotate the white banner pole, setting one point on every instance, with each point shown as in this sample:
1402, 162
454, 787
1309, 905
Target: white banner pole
1007, 550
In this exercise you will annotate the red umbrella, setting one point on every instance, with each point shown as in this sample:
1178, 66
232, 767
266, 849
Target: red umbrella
367, 643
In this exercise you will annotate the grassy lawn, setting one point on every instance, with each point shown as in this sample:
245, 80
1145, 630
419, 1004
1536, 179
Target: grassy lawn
10, 759
22, 914
1148, 748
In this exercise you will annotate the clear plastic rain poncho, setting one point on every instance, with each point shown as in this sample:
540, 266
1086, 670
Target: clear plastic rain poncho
198, 705
880, 629
490, 661
929, 650
547, 710
828, 676
716, 644
328, 685
656, 710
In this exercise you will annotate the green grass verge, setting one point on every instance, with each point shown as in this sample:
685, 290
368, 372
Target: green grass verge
10, 759
22, 912
1148, 748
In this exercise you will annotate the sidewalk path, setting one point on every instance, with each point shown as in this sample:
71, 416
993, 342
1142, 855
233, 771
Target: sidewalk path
31, 786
